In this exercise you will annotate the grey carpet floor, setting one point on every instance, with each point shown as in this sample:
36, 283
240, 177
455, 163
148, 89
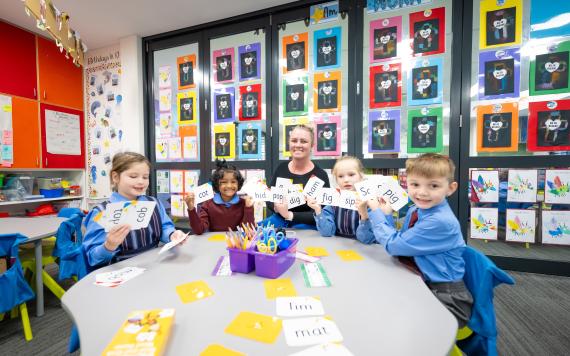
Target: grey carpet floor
533, 318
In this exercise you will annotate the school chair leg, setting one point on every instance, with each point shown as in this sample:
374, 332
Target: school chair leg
455, 351
26, 322
52, 285
2, 316
14, 313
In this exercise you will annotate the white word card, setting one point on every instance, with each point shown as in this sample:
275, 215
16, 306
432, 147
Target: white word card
134, 213
299, 306
203, 192
310, 331
367, 189
283, 182
347, 200
295, 199
277, 194
328, 196
393, 194
325, 350
314, 184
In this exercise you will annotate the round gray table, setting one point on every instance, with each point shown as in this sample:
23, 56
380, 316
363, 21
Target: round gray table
379, 306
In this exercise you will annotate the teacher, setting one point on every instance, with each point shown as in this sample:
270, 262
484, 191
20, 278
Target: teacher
300, 168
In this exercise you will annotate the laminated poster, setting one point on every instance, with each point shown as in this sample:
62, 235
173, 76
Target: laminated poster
327, 135
500, 23
327, 48
174, 148
177, 205
223, 65
186, 107
165, 100
522, 185
165, 124
249, 61
249, 140
189, 136
549, 71
548, 126
498, 128
427, 31
485, 186
425, 130
224, 104
557, 186
161, 149
484, 223
191, 180
499, 74
176, 181
224, 141
556, 227
294, 52
385, 34
521, 225
327, 88
163, 181
164, 77
295, 96
425, 82
250, 102
186, 67
385, 86
384, 131
289, 124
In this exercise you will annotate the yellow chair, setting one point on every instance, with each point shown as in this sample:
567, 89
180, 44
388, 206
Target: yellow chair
462, 334
28, 260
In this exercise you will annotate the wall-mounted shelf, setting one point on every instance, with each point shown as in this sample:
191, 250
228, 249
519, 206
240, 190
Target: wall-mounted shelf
32, 201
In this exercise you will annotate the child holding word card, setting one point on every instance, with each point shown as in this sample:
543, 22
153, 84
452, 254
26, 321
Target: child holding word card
130, 222
342, 212
431, 234
226, 209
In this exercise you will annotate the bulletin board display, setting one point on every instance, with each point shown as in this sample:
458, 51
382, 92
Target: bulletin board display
313, 85
406, 75
519, 79
176, 104
238, 96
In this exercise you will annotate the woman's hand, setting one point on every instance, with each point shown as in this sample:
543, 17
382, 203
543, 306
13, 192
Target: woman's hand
312, 203
178, 235
248, 201
362, 206
116, 236
190, 201
282, 209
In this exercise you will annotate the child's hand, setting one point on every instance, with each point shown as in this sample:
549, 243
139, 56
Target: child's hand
373, 203
385, 207
362, 208
190, 200
116, 236
312, 203
248, 201
178, 236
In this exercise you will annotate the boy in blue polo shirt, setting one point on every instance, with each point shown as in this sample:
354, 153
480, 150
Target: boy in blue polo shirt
431, 235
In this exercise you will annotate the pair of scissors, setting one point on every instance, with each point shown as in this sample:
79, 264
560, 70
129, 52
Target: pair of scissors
270, 240
268, 247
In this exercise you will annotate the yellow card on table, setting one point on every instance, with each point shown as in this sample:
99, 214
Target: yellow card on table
349, 255
279, 288
145, 332
217, 237
258, 327
219, 350
193, 291
316, 251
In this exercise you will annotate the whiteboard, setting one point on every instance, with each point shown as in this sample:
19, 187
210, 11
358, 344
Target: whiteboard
63, 134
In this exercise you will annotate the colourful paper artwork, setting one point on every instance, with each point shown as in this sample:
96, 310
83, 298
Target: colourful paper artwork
427, 31
485, 186
186, 107
327, 136
164, 77
500, 23
174, 148
189, 136
425, 82
249, 61
289, 124
327, 90
498, 127
224, 141
327, 48
385, 86
186, 67
556, 227
161, 149
549, 71
557, 186
164, 100
249, 141
295, 96
499, 74
385, 34
522, 185
224, 104
294, 52
176, 181
549, 126
521, 225
484, 223
177, 205
223, 65
250, 102
425, 130
384, 131
191, 180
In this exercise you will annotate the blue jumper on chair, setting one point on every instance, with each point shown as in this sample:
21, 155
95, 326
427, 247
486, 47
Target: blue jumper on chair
481, 276
69, 249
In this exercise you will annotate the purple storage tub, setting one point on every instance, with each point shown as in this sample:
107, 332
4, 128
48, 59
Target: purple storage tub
241, 261
272, 266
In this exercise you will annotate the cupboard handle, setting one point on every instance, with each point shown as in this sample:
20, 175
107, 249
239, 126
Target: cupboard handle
44, 94
34, 92
37, 161
46, 162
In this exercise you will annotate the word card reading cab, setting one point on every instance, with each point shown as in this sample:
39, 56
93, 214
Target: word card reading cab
310, 331
328, 196
299, 306
134, 213
314, 184
203, 192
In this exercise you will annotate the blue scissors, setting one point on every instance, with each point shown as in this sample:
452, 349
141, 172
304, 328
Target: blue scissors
270, 241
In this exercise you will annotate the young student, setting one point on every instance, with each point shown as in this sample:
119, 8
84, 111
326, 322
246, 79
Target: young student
227, 209
129, 179
333, 220
431, 234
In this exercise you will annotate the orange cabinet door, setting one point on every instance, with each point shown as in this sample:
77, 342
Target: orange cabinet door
26, 128
60, 80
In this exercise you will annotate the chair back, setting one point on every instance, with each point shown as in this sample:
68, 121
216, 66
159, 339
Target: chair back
13, 287
69, 212
69, 249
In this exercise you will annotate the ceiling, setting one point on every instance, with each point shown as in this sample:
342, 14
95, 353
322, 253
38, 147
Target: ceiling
103, 22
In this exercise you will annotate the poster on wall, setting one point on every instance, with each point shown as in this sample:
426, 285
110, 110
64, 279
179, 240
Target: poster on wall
294, 52
186, 104
484, 223
327, 135
499, 74
163, 181
6, 132
165, 100
289, 124
224, 141
425, 81
224, 101
186, 67
427, 31
549, 71
327, 48
385, 85
500, 23
484, 186
544, 20
548, 126
164, 77
191, 180
176, 181
498, 127
327, 92
425, 130
295, 96
556, 227
557, 186
174, 148
249, 61
189, 138
223, 65
161, 149
385, 34
250, 102
521, 225
249, 140
384, 131
522, 185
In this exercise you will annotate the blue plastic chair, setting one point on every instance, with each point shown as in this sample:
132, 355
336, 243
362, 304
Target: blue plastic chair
14, 289
481, 277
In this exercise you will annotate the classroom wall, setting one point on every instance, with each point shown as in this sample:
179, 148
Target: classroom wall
132, 110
